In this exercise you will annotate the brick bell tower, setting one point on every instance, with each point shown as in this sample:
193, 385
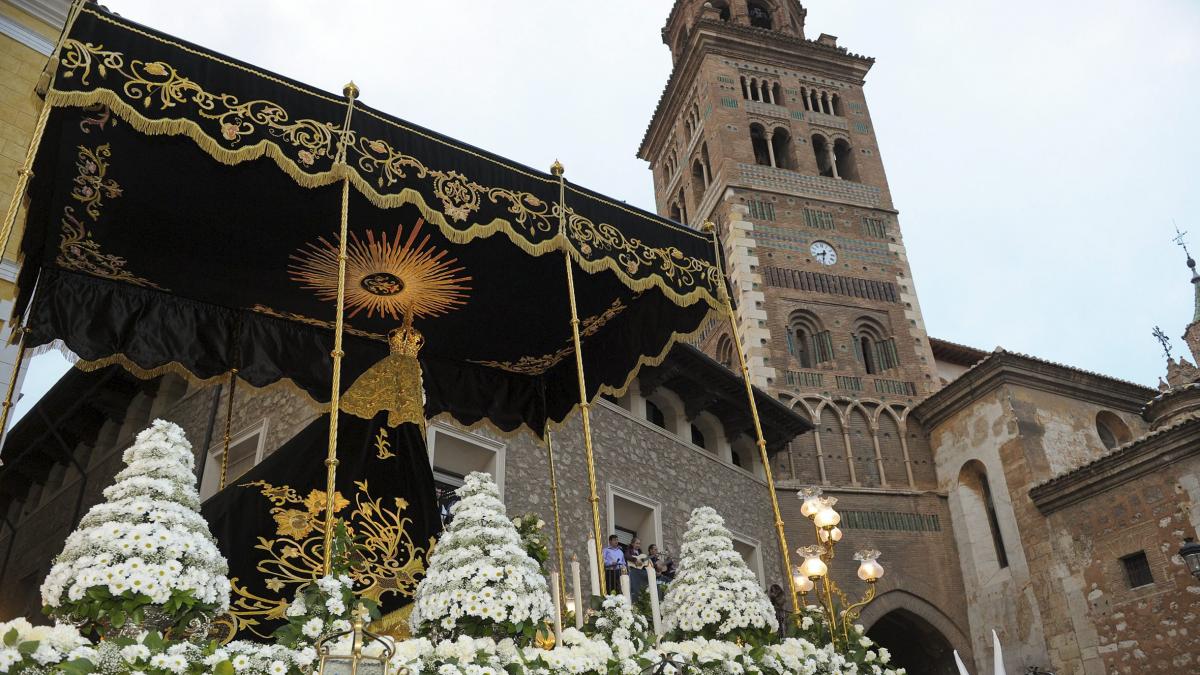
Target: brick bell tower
767, 134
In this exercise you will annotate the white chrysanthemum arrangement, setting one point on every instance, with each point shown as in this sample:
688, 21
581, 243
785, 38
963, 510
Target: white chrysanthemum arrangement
145, 545
25, 648
714, 595
480, 581
615, 623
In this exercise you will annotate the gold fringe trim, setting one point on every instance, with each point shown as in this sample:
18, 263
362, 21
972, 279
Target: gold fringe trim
394, 624
266, 148
324, 96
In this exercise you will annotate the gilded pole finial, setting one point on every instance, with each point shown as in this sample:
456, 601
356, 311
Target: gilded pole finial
350, 90
708, 227
557, 168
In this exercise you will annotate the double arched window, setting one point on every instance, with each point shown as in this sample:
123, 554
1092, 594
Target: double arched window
834, 159
808, 341
873, 349
772, 148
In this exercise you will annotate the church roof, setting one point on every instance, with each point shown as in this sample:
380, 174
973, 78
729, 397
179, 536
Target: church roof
956, 353
1002, 366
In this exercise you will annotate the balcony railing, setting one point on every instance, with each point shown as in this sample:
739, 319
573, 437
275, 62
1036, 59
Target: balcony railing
849, 383
803, 185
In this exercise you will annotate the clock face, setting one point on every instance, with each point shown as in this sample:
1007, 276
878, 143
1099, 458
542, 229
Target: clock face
823, 253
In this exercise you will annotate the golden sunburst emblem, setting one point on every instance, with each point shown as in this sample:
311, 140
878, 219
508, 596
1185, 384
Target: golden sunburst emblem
386, 277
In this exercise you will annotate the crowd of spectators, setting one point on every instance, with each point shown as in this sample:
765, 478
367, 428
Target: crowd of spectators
633, 560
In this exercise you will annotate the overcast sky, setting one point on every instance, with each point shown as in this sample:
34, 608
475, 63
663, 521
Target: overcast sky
1037, 151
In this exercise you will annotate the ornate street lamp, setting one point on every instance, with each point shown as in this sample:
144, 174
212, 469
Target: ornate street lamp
839, 614
1191, 556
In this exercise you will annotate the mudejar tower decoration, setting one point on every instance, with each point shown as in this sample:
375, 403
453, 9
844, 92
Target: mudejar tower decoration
766, 134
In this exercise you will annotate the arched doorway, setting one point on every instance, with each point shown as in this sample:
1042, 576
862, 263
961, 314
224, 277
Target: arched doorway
914, 643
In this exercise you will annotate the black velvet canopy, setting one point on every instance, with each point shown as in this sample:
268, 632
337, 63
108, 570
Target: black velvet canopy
185, 213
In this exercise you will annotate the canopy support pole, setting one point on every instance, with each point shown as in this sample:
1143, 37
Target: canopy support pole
758, 433
562, 568
351, 91
12, 384
585, 408
228, 428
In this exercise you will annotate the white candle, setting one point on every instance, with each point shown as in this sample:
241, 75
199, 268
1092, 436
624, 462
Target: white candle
557, 595
577, 591
594, 575
652, 580
625, 587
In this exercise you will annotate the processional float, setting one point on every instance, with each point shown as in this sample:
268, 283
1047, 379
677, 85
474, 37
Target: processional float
192, 214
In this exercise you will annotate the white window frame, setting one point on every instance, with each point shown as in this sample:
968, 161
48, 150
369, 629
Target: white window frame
756, 564
646, 502
214, 452
442, 428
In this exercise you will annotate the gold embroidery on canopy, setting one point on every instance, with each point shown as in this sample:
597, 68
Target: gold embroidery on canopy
391, 561
77, 250
386, 278
299, 143
535, 365
316, 323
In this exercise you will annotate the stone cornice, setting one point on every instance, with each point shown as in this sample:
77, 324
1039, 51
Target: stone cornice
752, 44
1126, 463
1008, 368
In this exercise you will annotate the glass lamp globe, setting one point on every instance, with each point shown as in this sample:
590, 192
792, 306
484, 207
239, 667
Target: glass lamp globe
811, 501
826, 516
869, 569
833, 534
803, 583
1191, 556
813, 567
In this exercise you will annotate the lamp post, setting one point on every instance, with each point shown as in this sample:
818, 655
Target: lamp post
1190, 552
839, 615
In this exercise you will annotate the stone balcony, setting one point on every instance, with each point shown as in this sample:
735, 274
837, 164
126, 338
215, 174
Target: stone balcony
766, 109
824, 120
815, 187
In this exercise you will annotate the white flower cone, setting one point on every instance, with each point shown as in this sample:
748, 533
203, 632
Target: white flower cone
714, 594
146, 539
480, 581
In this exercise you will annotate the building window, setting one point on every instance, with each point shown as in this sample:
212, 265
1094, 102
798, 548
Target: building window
654, 415
821, 220
781, 144
749, 550
698, 437
760, 145
454, 453
722, 7
847, 167
725, 352
761, 210
1137, 570
1112, 430
632, 515
760, 17
246, 450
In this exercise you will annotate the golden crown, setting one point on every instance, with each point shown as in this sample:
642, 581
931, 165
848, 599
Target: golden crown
407, 340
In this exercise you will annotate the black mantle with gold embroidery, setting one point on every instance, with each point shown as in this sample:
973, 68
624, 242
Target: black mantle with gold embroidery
270, 522
185, 207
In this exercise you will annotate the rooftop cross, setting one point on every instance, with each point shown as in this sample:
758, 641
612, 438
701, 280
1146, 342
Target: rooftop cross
1163, 340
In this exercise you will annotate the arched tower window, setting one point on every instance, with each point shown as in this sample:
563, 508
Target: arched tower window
699, 180
676, 214
758, 139
813, 102
683, 215
745, 88
872, 348
781, 143
1112, 430
837, 106
847, 167
979, 508
777, 94
707, 164
821, 148
755, 92
760, 16
698, 437
725, 352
